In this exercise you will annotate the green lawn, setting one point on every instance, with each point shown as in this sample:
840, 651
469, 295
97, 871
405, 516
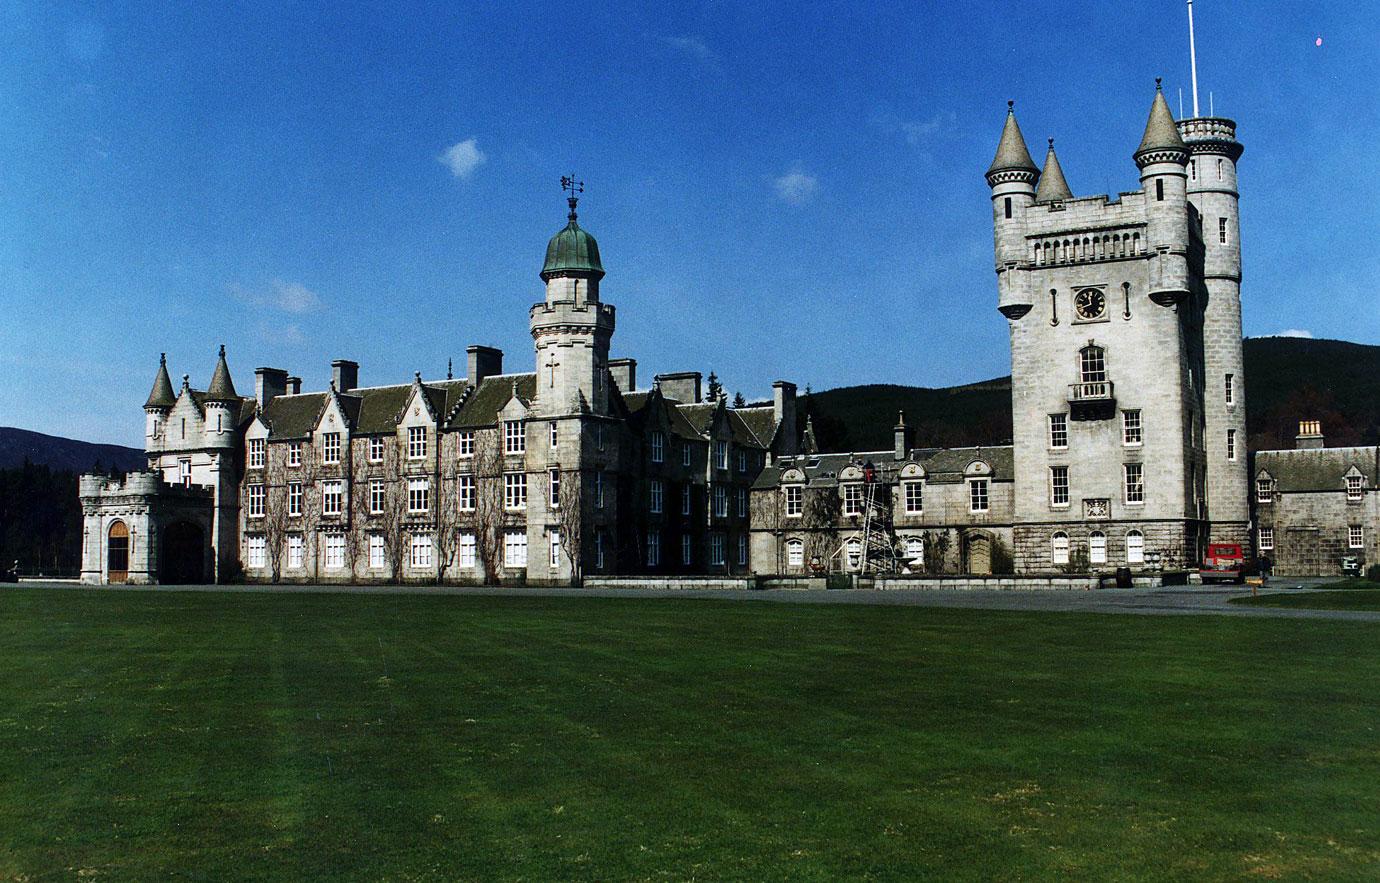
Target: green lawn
1349, 594
294, 737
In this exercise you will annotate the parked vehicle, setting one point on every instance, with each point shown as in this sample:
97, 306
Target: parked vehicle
1351, 565
1224, 563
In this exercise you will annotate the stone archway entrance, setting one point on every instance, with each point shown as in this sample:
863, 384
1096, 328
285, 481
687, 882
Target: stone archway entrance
117, 553
979, 554
184, 554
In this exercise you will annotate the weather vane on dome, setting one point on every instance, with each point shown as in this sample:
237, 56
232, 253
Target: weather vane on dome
574, 188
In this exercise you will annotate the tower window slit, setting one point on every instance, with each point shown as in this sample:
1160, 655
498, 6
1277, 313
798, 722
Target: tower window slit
1159, 191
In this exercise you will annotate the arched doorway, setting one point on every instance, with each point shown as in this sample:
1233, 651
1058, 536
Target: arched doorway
184, 553
979, 554
117, 553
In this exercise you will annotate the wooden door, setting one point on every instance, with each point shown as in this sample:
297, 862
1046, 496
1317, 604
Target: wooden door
117, 553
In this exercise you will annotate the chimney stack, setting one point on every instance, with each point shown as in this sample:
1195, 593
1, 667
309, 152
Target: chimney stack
1310, 435
484, 361
624, 373
345, 374
683, 386
294, 386
269, 383
783, 412
905, 436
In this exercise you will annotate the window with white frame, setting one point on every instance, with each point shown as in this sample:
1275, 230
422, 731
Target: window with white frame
416, 442
653, 548
655, 492
852, 499
464, 488
599, 436
256, 453
1058, 486
553, 483
375, 449
294, 453
1131, 433
854, 551
1097, 547
598, 550
913, 495
330, 447
1231, 444
554, 540
1355, 487
515, 549
742, 549
795, 553
555, 435
514, 490
685, 498
335, 551
658, 446
184, 472
420, 551
467, 550
1230, 388
1222, 230
1264, 490
685, 454
687, 549
1135, 547
720, 454
332, 497
1059, 548
716, 549
255, 550
1093, 364
1355, 537
514, 438
720, 501
1134, 474
978, 498
376, 499
795, 500
418, 495
464, 441
742, 461
254, 500
599, 489
294, 498
742, 502
378, 558
294, 550
1265, 539
915, 551
1058, 431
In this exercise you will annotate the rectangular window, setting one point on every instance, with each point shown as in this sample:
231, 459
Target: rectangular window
685, 498
1159, 190
376, 492
376, 450
742, 502
1266, 540
377, 558
1230, 391
599, 490
1131, 433
254, 500
1008, 208
464, 487
254, 551
852, 499
256, 453
294, 498
555, 435
687, 549
598, 550
184, 472
1059, 486
720, 454
655, 492
514, 490
742, 549
795, 500
1059, 431
978, 500
795, 553
515, 549
294, 544
332, 497
1264, 490
335, 551
1135, 483
468, 550
720, 501
553, 481
658, 443
742, 461
465, 439
1222, 230
914, 493
685, 454
416, 442
418, 495
1355, 488
653, 548
294, 453
1231, 444
716, 549
599, 436
555, 543
1355, 537
330, 448
514, 439
1193, 170
420, 557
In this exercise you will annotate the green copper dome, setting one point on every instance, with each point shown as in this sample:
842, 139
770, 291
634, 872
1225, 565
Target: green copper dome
572, 250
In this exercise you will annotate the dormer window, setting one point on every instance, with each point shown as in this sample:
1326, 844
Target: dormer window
256, 453
330, 447
1355, 488
1264, 490
416, 442
658, 446
514, 439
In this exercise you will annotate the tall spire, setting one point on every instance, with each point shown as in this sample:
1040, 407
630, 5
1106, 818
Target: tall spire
162, 395
1052, 184
1012, 154
221, 388
1160, 131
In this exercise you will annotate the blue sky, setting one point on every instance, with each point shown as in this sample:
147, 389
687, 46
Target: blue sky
778, 190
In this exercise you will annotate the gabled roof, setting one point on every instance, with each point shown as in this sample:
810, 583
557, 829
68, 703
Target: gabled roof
942, 465
743, 433
294, 416
1319, 469
760, 421
483, 404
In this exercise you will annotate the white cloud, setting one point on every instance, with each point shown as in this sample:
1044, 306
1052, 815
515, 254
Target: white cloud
288, 297
289, 333
694, 47
463, 158
796, 187
1293, 332
941, 124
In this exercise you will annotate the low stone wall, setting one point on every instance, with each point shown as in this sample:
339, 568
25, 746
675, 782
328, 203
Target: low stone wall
670, 582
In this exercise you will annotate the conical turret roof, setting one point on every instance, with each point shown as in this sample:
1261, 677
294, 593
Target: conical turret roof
1052, 184
162, 395
1012, 154
222, 388
1160, 131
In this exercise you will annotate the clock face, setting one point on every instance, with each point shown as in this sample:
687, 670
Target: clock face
1090, 304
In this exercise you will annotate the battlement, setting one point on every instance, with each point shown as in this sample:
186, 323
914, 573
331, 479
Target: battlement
136, 484
568, 313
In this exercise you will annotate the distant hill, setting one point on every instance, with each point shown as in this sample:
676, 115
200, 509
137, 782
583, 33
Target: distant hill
64, 454
1287, 380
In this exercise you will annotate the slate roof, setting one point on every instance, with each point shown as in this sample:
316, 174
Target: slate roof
1160, 131
221, 388
1318, 469
162, 395
484, 403
1052, 184
1012, 154
942, 465
760, 421
294, 416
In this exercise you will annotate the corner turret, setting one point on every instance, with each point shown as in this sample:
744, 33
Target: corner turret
222, 405
1052, 187
1012, 177
1163, 158
160, 401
